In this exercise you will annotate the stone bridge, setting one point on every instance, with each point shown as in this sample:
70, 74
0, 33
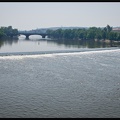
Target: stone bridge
28, 33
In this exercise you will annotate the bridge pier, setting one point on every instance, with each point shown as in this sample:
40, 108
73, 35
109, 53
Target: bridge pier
27, 37
43, 36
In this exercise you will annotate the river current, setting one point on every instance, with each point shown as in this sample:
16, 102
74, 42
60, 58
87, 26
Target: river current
81, 84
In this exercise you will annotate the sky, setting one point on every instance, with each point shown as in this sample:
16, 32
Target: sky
34, 15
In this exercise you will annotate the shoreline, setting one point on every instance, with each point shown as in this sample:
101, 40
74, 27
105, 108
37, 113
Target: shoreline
108, 41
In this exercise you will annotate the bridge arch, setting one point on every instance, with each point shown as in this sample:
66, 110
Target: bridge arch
36, 36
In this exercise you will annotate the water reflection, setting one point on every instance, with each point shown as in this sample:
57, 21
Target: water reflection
8, 41
82, 43
49, 44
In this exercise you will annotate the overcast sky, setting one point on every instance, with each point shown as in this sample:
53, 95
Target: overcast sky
33, 15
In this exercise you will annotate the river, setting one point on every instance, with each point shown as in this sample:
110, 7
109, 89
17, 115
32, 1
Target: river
80, 83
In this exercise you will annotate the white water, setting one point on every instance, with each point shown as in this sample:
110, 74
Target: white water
61, 85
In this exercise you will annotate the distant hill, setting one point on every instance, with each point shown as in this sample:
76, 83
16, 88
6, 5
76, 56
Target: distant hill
54, 28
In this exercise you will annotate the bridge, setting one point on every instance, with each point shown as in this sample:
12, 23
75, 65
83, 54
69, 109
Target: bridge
28, 33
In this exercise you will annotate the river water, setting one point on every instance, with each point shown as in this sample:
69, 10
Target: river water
82, 84
36, 45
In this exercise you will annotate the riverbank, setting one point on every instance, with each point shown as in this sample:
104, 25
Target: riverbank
107, 41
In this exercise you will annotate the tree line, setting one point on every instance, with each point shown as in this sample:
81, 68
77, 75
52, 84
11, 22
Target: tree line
71, 34
85, 34
8, 32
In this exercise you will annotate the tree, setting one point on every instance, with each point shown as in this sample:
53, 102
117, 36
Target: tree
109, 29
8, 32
14, 32
118, 37
91, 33
104, 34
98, 33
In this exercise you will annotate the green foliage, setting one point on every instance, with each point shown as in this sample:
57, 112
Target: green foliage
1, 33
8, 32
91, 33
109, 29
